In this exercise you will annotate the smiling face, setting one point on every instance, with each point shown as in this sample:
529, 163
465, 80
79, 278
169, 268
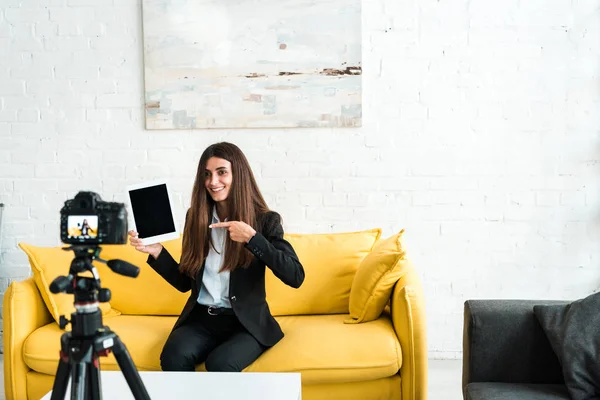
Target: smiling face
218, 178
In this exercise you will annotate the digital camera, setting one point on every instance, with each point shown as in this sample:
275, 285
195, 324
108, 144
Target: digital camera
86, 219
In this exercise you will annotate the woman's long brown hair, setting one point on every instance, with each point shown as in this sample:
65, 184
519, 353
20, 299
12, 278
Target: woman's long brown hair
245, 203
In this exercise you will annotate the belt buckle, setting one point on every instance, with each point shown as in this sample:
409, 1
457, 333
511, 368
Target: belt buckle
210, 310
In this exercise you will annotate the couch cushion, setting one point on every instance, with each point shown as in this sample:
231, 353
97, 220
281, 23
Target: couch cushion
515, 391
321, 347
325, 349
376, 277
48, 263
572, 330
144, 337
148, 293
330, 262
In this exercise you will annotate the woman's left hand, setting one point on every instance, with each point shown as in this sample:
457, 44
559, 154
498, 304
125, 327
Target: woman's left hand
238, 231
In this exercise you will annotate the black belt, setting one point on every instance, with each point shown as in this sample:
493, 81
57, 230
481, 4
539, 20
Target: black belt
212, 310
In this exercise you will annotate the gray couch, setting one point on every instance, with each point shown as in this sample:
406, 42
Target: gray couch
506, 354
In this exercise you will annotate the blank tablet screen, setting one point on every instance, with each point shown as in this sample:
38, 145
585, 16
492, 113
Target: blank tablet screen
152, 211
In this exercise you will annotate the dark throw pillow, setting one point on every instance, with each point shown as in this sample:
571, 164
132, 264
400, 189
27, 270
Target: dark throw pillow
573, 330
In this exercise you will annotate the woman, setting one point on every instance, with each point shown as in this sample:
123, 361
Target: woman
85, 228
230, 235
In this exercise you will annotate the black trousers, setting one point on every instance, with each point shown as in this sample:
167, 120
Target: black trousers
218, 340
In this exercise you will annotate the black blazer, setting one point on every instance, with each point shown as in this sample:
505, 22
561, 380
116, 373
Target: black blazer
246, 285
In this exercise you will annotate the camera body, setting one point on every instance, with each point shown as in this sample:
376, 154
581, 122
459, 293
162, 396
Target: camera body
86, 219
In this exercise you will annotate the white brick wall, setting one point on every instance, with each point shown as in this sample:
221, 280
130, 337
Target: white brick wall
480, 137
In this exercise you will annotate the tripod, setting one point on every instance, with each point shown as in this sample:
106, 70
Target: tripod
89, 338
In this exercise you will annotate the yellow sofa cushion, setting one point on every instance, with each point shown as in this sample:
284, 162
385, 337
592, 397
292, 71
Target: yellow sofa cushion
47, 263
330, 262
375, 279
324, 349
321, 347
148, 293
143, 335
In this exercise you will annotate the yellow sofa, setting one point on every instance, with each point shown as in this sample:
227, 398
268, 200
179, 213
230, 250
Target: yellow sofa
339, 358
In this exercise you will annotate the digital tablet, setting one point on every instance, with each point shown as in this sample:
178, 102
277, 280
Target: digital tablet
153, 212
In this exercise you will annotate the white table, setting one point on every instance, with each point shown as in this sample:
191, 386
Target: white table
203, 386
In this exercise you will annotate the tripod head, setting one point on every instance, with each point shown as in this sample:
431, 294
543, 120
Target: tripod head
88, 290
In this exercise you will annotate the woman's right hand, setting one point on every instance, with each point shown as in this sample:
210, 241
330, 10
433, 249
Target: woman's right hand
152, 249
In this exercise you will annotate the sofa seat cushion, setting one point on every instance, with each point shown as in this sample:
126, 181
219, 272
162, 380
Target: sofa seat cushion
324, 349
515, 391
143, 335
321, 347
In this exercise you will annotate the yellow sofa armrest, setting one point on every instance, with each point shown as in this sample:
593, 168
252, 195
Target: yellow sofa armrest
408, 317
23, 311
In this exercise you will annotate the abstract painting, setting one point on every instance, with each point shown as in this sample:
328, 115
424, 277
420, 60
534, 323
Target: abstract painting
252, 63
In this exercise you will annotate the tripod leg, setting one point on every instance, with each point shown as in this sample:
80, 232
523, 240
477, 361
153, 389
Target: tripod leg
78, 381
94, 391
61, 380
131, 374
